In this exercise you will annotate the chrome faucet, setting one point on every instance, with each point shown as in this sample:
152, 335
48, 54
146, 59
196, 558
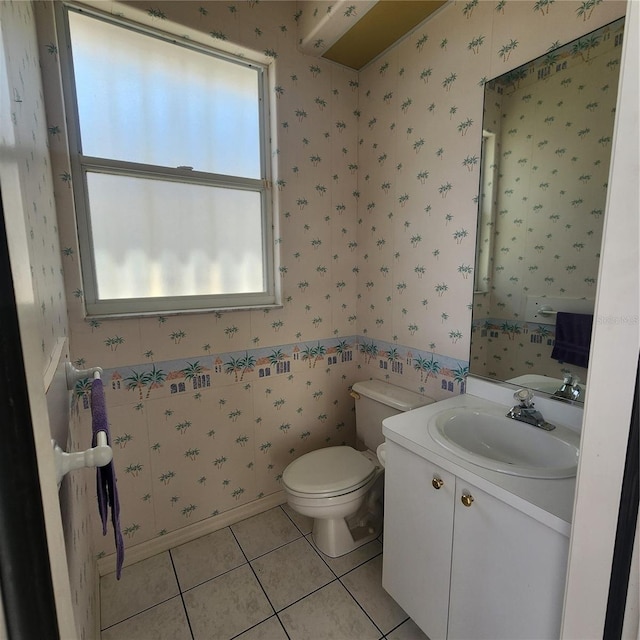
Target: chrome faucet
525, 412
570, 390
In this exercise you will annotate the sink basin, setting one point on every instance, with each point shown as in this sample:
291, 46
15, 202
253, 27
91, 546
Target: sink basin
491, 440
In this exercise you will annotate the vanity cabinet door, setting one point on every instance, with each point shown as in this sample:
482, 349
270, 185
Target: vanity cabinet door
507, 573
418, 532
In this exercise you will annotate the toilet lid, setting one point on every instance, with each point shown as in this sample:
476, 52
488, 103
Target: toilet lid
330, 470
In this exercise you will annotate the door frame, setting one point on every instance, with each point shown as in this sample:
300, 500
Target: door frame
24, 554
612, 371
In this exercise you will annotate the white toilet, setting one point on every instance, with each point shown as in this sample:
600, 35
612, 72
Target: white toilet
342, 488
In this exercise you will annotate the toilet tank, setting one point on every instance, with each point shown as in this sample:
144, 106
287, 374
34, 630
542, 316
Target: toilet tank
377, 400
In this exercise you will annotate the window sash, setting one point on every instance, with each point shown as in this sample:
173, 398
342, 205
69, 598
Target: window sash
91, 237
144, 99
82, 165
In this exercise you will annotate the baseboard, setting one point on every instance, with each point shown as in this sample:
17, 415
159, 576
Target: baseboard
157, 545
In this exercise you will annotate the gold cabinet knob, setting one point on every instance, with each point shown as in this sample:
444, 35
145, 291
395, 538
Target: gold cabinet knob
437, 483
466, 499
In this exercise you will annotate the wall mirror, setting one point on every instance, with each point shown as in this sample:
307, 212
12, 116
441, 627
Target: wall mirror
547, 133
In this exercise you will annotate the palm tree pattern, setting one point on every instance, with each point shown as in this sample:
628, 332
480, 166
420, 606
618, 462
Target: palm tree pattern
376, 177
24, 125
553, 127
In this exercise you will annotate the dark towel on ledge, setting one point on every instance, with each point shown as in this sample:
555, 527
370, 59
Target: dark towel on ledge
106, 476
573, 337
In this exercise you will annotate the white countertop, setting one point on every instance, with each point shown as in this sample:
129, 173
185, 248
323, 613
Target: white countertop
549, 501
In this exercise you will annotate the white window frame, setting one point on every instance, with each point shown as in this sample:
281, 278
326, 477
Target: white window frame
81, 165
486, 213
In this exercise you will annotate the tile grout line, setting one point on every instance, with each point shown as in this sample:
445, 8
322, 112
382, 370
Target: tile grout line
382, 634
219, 575
275, 615
255, 575
307, 595
284, 544
337, 577
346, 573
184, 605
398, 626
303, 537
137, 613
310, 543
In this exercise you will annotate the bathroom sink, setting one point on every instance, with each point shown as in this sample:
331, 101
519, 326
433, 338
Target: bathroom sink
489, 439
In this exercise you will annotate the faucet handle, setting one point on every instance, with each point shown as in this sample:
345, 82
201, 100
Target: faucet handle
524, 397
575, 389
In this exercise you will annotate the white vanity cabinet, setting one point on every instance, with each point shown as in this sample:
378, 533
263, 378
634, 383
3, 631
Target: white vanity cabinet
463, 563
418, 537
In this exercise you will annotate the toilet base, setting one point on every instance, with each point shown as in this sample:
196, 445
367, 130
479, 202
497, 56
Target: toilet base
334, 537
338, 536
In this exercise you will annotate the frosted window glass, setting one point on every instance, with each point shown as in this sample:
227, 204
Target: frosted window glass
157, 239
142, 99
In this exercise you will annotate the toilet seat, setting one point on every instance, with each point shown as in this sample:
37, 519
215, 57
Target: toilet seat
328, 472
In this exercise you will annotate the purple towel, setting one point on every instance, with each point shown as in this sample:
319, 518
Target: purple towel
106, 477
573, 338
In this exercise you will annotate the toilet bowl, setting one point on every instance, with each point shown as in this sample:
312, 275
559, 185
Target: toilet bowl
342, 490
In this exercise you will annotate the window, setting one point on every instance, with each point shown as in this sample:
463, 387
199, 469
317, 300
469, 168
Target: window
486, 213
169, 168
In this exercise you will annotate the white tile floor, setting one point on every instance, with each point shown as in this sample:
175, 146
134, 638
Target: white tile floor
260, 579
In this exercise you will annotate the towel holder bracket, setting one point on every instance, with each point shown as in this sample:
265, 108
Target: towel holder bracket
74, 375
98, 456
544, 309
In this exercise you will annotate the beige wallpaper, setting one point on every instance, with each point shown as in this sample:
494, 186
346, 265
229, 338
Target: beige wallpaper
554, 147
25, 157
421, 127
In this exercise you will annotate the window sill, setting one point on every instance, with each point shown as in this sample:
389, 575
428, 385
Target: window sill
180, 312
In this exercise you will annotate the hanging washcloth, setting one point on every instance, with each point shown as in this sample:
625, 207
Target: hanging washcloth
106, 477
573, 337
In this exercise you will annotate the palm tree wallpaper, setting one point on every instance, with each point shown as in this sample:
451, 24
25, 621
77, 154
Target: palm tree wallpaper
553, 126
376, 178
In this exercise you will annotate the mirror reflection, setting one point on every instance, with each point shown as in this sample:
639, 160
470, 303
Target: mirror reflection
547, 134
